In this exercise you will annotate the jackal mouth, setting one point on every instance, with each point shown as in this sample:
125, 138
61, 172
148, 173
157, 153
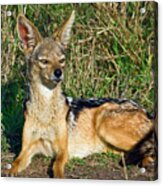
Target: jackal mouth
51, 82
56, 80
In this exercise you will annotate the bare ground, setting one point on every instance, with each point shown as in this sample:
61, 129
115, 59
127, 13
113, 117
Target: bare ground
98, 166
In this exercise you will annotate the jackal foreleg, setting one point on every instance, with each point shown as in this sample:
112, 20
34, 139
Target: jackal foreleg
29, 148
61, 147
24, 158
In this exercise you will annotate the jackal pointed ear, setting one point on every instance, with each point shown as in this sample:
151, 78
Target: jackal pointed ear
63, 33
28, 34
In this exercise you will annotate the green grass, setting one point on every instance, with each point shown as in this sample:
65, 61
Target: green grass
110, 54
75, 162
94, 160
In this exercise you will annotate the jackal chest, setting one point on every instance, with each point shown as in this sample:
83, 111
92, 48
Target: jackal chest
47, 132
46, 125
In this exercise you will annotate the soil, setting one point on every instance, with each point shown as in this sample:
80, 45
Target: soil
98, 166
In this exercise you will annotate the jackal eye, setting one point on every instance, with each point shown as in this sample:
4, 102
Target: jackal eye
45, 62
62, 61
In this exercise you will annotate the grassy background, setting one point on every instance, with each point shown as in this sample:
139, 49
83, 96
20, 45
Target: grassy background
110, 54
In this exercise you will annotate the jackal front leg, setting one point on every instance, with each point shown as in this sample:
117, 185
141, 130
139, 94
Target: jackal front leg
29, 148
61, 145
24, 158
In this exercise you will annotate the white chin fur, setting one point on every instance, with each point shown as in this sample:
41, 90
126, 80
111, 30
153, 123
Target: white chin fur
45, 91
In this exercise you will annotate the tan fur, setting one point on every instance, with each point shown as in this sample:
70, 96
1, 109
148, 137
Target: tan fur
114, 126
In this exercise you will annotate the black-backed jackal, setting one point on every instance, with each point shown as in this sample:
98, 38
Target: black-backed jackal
61, 126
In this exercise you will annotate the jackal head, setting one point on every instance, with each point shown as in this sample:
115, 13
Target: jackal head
46, 56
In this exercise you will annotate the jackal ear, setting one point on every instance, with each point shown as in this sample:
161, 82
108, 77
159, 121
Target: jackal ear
63, 33
28, 34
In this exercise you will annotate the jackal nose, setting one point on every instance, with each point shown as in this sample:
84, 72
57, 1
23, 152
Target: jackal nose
58, 73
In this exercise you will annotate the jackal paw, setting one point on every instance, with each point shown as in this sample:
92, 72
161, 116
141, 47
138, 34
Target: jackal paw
11, 171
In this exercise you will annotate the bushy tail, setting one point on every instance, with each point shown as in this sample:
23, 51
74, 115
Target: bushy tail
146, 148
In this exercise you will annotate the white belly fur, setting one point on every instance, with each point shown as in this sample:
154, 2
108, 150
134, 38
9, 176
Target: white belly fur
81, 147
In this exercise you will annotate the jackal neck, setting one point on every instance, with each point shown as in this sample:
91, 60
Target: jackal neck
41, 93
46, 104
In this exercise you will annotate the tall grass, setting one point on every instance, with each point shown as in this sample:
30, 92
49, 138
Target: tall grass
111, 54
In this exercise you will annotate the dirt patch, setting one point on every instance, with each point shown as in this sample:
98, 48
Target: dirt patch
97, 166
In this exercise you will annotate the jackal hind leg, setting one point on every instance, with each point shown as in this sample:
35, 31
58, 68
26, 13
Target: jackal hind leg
144, 153
124, 129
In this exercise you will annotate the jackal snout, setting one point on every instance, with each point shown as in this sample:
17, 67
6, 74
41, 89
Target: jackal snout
57, 74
